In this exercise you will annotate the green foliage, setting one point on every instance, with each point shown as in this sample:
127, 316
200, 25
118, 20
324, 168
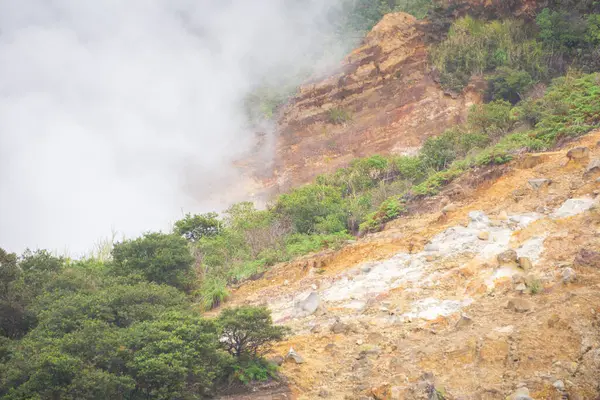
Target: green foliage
100, 335
438, 152
194, 227
339, 116
388, 210
434, 182
312, 208
508, 84
494, 119
158, 257
253, 371
248, 332
475, 47
213, 292
299, 244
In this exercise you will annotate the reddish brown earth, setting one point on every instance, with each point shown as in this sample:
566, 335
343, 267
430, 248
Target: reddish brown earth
385, 88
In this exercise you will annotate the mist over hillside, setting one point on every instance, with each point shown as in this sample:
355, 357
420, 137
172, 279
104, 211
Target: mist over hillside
119, 115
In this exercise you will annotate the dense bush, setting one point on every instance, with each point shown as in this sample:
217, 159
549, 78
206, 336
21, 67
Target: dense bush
508, 84
158, 257
476, 47
100, 335
248, 332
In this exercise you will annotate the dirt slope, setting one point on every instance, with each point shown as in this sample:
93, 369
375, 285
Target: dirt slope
426, 309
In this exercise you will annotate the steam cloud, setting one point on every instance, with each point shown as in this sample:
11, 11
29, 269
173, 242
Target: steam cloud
120, 114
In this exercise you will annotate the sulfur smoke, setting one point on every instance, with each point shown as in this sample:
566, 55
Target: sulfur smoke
119, 115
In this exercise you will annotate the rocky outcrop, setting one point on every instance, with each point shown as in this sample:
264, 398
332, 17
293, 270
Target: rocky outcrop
381, 101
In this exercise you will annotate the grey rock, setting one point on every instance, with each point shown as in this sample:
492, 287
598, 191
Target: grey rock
292, 355
464, 322
578, 153
572, 207
507, 257
537, 184
520, 394
339, 327
593, 167
365, 268
310, 304
521, 287
449, 208
568, 275
559, 385
323, 393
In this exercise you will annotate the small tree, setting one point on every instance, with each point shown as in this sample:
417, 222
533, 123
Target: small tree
249, 331
194, 227
157, 257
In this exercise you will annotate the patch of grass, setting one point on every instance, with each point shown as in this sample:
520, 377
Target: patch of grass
535, 286
339, 116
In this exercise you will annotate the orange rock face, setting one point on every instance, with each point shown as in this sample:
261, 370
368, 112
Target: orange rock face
388, 102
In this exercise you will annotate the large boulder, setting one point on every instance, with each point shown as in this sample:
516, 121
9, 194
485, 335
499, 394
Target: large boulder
309, 305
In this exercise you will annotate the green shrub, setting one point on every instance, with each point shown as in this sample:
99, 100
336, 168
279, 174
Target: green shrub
438, 152
494, 119
310, 205
474, 47
194, 227
300, 244
508, 84
250, 371
410, 168
248, 332
388, 210
339, 116
158, 257
213, 292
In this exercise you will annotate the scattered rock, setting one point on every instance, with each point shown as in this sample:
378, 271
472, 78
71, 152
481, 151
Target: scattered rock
568, 275
483, 235
310, 304
464, 322
277, 360
286, 282
330, 347
578, 153
365, 268
525, 263
316, 329
339, 327
507, 257
382, 392
537, 184
449, 208
520, 394
588, 258
359, 342
503, 216
559, 385
323, 393
292, 355
519, 305
313, 286
521, 287
572, 207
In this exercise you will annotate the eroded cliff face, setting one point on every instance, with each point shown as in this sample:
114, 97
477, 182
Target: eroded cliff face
386, 101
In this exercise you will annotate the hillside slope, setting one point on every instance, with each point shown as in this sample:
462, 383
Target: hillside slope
427, 309
381, 101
